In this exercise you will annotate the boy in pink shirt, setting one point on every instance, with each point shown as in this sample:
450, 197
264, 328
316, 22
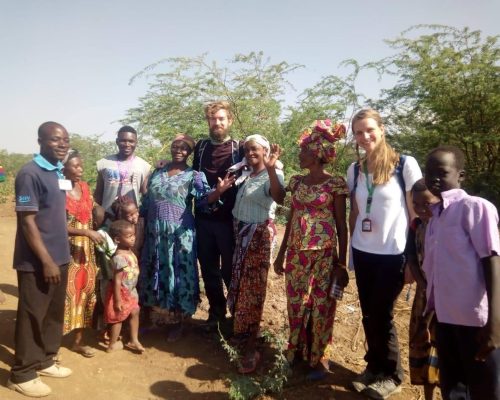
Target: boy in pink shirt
462, 266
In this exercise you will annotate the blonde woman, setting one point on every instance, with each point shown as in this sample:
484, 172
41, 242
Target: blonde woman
381, 209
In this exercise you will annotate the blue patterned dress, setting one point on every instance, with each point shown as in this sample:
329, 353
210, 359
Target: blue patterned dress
169, 272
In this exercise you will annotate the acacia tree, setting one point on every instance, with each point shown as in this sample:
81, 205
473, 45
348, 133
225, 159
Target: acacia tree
334, 98
448, 92
91, 149
177, 93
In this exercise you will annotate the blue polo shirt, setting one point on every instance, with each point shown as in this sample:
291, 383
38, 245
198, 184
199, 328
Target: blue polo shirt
37, 190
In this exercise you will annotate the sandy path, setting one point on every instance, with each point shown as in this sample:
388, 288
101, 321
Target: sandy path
195, 368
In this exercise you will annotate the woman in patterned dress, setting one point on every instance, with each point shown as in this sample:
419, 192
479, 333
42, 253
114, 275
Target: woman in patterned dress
169, 272
80, 293
317, 220
255, 233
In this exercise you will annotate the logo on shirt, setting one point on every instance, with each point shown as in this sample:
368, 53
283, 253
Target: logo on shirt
23, 198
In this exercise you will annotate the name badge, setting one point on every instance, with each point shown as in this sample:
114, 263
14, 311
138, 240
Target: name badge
65, 184
366, 225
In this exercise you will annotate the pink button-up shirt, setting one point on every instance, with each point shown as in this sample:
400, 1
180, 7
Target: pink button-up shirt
455, 242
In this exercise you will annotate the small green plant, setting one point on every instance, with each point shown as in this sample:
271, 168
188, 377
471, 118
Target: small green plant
244, 387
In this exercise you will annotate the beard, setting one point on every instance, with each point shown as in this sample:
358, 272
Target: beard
218, 135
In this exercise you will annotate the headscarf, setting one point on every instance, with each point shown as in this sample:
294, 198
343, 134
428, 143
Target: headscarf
321, 138
242, 166
259, 139
182, 137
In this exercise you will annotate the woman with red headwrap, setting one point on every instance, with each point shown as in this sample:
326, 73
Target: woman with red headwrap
316, 227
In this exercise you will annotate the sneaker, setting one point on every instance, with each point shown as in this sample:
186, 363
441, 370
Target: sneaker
55, 371
382, 389
364, 379
33, 388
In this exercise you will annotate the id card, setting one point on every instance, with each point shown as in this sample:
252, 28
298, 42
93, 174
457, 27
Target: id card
65, 184
366, 225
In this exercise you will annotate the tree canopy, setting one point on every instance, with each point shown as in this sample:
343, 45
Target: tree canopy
447, 91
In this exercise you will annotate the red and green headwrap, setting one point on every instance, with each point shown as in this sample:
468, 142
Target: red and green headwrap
321, 138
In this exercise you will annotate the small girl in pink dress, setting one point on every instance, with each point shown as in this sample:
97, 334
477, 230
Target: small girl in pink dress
121, 297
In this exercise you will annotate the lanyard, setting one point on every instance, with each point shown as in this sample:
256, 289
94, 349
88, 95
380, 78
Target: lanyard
370, 189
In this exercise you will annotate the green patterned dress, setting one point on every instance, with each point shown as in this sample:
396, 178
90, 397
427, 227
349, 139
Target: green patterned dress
169, 272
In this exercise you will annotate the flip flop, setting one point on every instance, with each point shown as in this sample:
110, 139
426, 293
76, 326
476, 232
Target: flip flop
86, 351
249, 365
136, 349
116, 346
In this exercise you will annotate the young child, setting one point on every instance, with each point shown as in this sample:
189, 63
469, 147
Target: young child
122, 298
462, 267
423, 353
124, 208
104, 253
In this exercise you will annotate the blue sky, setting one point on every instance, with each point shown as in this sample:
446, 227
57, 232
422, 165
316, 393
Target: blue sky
71, 61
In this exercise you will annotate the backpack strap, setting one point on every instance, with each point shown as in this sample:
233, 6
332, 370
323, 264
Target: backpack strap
202, 144
398, 171
236, 153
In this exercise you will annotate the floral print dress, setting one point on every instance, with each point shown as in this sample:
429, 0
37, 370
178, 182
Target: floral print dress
169, 272
312, 249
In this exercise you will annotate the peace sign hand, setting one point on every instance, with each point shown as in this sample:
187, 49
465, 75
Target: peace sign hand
274, 154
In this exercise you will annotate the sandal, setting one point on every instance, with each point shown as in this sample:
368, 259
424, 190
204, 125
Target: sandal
86, 351
135, 347
115, 346
249, 364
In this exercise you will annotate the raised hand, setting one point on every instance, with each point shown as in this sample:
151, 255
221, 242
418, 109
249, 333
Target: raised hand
225, 183
274, 154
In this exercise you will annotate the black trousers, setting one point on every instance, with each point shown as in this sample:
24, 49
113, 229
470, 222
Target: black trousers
39, 323
380, 279
461, 376
215, 245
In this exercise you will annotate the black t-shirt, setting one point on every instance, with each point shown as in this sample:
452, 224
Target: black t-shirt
214, 160
37, 190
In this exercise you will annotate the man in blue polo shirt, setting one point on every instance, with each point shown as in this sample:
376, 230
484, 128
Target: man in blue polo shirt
41, 256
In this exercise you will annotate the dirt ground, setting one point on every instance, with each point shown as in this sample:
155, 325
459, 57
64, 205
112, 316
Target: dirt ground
196, 367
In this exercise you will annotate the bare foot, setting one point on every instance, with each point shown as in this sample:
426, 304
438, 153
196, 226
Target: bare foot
85, 351
115, 346
136, 347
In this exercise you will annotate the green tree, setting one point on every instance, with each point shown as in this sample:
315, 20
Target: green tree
334, 98
174, 103
448, 92
11, 163
91, 149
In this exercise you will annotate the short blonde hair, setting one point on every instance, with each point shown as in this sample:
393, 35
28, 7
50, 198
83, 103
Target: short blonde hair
384, 157
211, 108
